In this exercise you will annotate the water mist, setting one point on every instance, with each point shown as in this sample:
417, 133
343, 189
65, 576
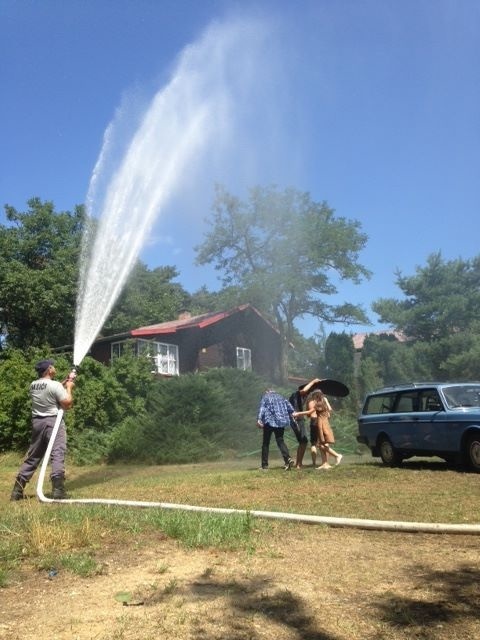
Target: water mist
190, 115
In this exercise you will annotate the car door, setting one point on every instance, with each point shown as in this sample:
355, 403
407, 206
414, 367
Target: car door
375, 417
403, 427
431, 420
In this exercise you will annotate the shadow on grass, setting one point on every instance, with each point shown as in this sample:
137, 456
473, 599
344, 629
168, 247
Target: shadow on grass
254, 605
454, 597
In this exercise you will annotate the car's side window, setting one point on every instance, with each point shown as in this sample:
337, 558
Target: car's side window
430, 401
380, 404
407, 402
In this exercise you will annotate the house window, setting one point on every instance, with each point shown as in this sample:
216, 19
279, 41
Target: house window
118, 349
244, 359
164, 356
166, 360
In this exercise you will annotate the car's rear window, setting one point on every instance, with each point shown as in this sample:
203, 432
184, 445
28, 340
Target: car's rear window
382, 403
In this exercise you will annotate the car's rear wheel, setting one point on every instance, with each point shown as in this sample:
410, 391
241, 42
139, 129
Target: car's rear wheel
472, 451
388, 453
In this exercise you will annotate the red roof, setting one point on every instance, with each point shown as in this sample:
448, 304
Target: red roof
359, 338
199, 322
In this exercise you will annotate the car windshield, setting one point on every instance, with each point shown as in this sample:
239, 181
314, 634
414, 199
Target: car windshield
467, 395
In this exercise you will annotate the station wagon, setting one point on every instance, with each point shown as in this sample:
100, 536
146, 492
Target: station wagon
423, 419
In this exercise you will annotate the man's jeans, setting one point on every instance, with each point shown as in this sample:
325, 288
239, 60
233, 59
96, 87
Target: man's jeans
41, 431
267, 434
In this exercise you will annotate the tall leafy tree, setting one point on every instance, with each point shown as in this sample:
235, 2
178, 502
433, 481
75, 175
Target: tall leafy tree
307, 356
459, 355
442, 298
439, 314
149, 297
340, 363
398, 362
286, 252
39, 251
368, 377
204, 300
339, 357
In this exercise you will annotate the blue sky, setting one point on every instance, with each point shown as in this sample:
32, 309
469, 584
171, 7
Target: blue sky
370, 105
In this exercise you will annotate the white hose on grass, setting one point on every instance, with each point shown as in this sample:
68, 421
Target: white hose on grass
357, 523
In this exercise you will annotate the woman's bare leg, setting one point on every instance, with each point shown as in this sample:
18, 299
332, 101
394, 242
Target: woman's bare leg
314, 455
338, 456
323, 453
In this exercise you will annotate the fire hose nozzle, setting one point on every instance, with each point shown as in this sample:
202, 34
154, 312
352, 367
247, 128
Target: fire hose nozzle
72, 375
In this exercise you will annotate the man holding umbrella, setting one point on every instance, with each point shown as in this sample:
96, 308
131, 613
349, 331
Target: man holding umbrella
298, 425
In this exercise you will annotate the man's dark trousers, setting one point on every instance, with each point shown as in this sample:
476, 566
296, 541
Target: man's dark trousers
267, 434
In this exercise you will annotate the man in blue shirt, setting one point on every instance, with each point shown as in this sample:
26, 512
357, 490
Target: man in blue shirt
274, 414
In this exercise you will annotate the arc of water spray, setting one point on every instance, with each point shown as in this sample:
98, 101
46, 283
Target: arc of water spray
112, 258
192, 113
131, 204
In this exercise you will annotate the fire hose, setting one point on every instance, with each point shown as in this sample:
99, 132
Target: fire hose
358, 523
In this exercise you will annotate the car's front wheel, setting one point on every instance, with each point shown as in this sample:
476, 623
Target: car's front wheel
388, 453
472, 451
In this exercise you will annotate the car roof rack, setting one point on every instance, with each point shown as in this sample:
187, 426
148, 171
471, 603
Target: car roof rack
409, 385
431, 383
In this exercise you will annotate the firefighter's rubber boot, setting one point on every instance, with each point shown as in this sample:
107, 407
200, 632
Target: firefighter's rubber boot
18, 487
58, 486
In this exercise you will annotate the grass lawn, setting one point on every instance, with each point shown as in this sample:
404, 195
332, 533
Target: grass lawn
104, 572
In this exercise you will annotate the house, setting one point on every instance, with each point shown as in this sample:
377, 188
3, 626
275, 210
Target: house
241, 338
359, 338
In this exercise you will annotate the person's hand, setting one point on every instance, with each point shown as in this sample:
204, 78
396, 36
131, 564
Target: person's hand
69, 384
259, 424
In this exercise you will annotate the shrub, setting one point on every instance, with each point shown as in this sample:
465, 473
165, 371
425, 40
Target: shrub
191, 418
17, 371
121, 412
104, 397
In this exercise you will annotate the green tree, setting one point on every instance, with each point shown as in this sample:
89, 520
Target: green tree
442, 298
39, 251
339, 357
458, 356
340, 363
148, 297
307, 356
440, 317
368, 377
284, 251
398, 362
204, 301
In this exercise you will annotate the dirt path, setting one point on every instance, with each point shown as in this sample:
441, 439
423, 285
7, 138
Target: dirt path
307, 582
